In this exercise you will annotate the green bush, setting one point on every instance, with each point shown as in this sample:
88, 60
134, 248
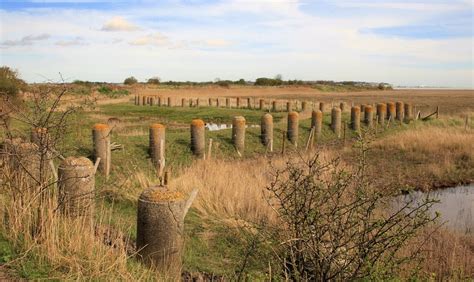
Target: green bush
264, 81
10, 84
104, 89
130, 80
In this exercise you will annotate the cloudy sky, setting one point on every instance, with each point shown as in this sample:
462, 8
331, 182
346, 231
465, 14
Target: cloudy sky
403, 42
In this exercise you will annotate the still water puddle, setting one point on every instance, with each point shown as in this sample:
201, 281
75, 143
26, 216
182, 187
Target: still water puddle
456, 206
216, 127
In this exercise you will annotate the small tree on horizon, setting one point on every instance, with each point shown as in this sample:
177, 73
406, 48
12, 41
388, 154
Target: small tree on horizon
130, 80
154, 80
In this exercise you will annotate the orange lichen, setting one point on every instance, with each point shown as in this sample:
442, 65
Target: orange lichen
197, 122
161, 194
293, 115
157, 126
101, 126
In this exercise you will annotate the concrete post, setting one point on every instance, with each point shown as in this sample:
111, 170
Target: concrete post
292, 128
355, 118
267, 129
238, 133
76, 185
368, 115
160, 229
336, 121
198, 138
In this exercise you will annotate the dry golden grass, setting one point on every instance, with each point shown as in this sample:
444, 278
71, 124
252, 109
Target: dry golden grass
426, 157
449, 255
72, 248
233, 190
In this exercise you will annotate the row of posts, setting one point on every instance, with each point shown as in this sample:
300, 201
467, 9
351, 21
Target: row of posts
391, 110
384, 113
238, 102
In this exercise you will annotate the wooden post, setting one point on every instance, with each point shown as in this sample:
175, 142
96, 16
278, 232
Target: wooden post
283, 142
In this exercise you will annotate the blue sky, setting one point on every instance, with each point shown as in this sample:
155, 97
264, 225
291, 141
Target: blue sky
419, 42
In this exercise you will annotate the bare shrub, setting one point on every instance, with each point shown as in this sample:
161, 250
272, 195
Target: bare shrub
337, 226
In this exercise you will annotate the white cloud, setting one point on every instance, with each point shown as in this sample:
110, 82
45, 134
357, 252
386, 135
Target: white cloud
118, 24
156, 39
78, 41
26, 40
217, 43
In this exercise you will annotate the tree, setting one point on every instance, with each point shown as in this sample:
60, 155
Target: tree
10, 83
130, 80
154, 80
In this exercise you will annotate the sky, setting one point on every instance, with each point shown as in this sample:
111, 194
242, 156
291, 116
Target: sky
402, 42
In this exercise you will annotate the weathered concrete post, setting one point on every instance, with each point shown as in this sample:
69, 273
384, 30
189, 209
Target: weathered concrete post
368, 115
362, 108
227, 102
237, 103
355, 118
391, 112
289, 106
157, 146
160, 101
160, 229
322, 106
267, 129
342, 105
399, 110
292, 127
218, 102
152, 101
238, 133
249, 103
408, 112
198, 138
101, 141
274, 106
317, 122
381, 113
76, 185
198, 102
210, 102
261, 105
304, 106
336, 121
143, 100
184, 103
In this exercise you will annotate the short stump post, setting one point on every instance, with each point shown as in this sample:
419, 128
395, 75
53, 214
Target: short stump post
76, 185
160, 229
